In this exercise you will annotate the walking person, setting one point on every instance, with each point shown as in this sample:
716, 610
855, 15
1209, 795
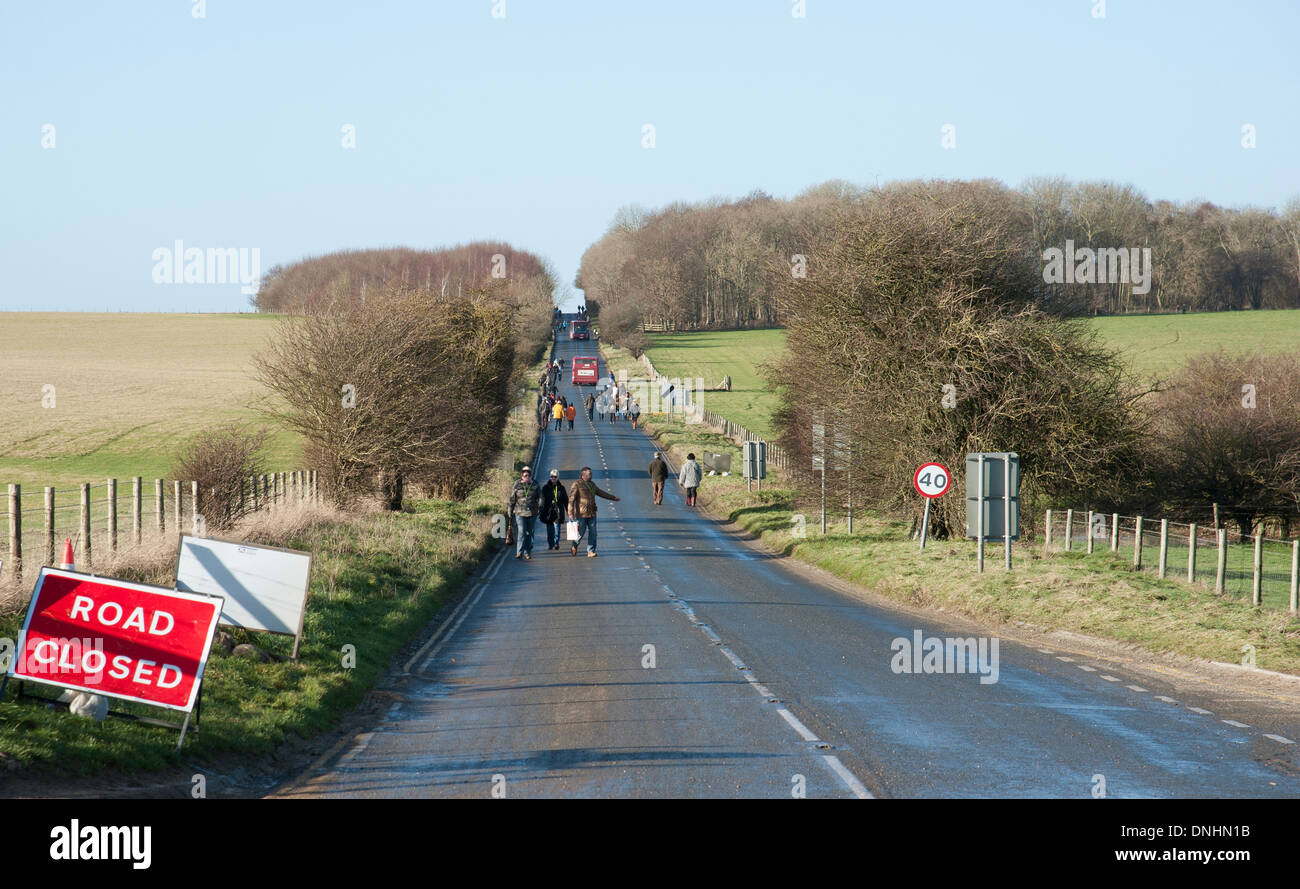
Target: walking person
658, 475
524, 499
689, 478
571, 413
557, 411
634, 410
554, 510
591, 405
582, 507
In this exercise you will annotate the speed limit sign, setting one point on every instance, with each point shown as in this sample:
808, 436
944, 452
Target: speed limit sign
932, 480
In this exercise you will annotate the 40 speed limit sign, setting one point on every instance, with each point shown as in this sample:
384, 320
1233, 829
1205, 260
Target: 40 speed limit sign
932, 480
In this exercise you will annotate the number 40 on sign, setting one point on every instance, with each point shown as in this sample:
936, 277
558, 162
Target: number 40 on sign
931, 481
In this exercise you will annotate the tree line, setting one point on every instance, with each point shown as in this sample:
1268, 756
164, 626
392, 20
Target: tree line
720, 264
919, 333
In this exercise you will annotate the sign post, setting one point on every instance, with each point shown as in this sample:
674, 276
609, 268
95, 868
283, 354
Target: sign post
993, 501
124, 640
931, 480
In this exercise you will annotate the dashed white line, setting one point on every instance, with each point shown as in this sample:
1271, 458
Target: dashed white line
1068, 660
1200, 711
1136, 688
797, 725
1109, 678
1085, 668
1234, 722
1280, 739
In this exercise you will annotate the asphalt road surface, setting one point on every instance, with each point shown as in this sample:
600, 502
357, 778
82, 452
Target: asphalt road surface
682, 662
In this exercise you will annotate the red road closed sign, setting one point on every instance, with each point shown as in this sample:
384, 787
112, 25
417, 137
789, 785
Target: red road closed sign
932, 480
112, 637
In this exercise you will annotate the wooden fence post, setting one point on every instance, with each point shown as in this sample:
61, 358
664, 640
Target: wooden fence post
178, 494
1137, 544
111, 491
194, 507
1257, 583
1114, 532
1191, 553
1221, 570
1088, 545
1164, 548
137, 502
1047, 542
85, 526
1295, 575
160, 504
1069, 529
49, 526
16, 531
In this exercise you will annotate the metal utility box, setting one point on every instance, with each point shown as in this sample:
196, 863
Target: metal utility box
996, 505
754, 456
719, 463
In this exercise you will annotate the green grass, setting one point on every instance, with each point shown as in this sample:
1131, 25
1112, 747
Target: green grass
128, 390
711, 355
1161, 344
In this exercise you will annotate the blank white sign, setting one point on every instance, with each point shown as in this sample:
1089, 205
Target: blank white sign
264, 589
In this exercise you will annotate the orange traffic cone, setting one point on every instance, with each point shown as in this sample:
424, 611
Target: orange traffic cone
67, 556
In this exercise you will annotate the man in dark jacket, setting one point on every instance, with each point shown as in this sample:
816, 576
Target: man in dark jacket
658, 475
582, 506
524, 499
555, 509
591, 404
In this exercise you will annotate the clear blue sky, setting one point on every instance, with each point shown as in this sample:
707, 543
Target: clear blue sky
226, 131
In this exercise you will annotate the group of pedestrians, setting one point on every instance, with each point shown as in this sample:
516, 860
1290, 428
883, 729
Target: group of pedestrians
574, 509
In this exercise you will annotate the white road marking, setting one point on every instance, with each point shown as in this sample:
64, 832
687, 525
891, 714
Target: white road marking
1085, 668
1136, 688
1234, 722
1280, 739
1200, 711
1109, 678
1045, 651
859, 790
797, 725
1068, 660
1166, 699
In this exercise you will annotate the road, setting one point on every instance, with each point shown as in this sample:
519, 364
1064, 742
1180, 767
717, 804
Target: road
767, 681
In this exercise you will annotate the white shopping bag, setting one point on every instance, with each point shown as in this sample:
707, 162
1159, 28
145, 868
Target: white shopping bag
571, 530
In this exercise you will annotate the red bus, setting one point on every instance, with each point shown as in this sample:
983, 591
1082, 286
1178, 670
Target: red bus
586, 371
580, 330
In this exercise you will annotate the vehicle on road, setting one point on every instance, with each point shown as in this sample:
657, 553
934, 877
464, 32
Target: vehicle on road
580, 330
585, 371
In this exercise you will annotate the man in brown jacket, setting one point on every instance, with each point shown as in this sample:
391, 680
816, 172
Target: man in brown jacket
582, 507
658, 475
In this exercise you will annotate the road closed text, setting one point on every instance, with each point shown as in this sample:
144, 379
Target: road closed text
147, 644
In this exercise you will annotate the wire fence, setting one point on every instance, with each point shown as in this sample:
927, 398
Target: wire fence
1264, 570
110, 517
776, 455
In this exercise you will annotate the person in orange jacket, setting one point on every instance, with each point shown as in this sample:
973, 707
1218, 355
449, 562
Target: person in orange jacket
571, 413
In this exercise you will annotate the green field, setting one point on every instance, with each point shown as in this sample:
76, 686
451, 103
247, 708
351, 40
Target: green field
1161, 344
128, 389
1150, 345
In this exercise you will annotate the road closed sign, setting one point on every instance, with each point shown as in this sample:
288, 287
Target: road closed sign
932, 480
112, 637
